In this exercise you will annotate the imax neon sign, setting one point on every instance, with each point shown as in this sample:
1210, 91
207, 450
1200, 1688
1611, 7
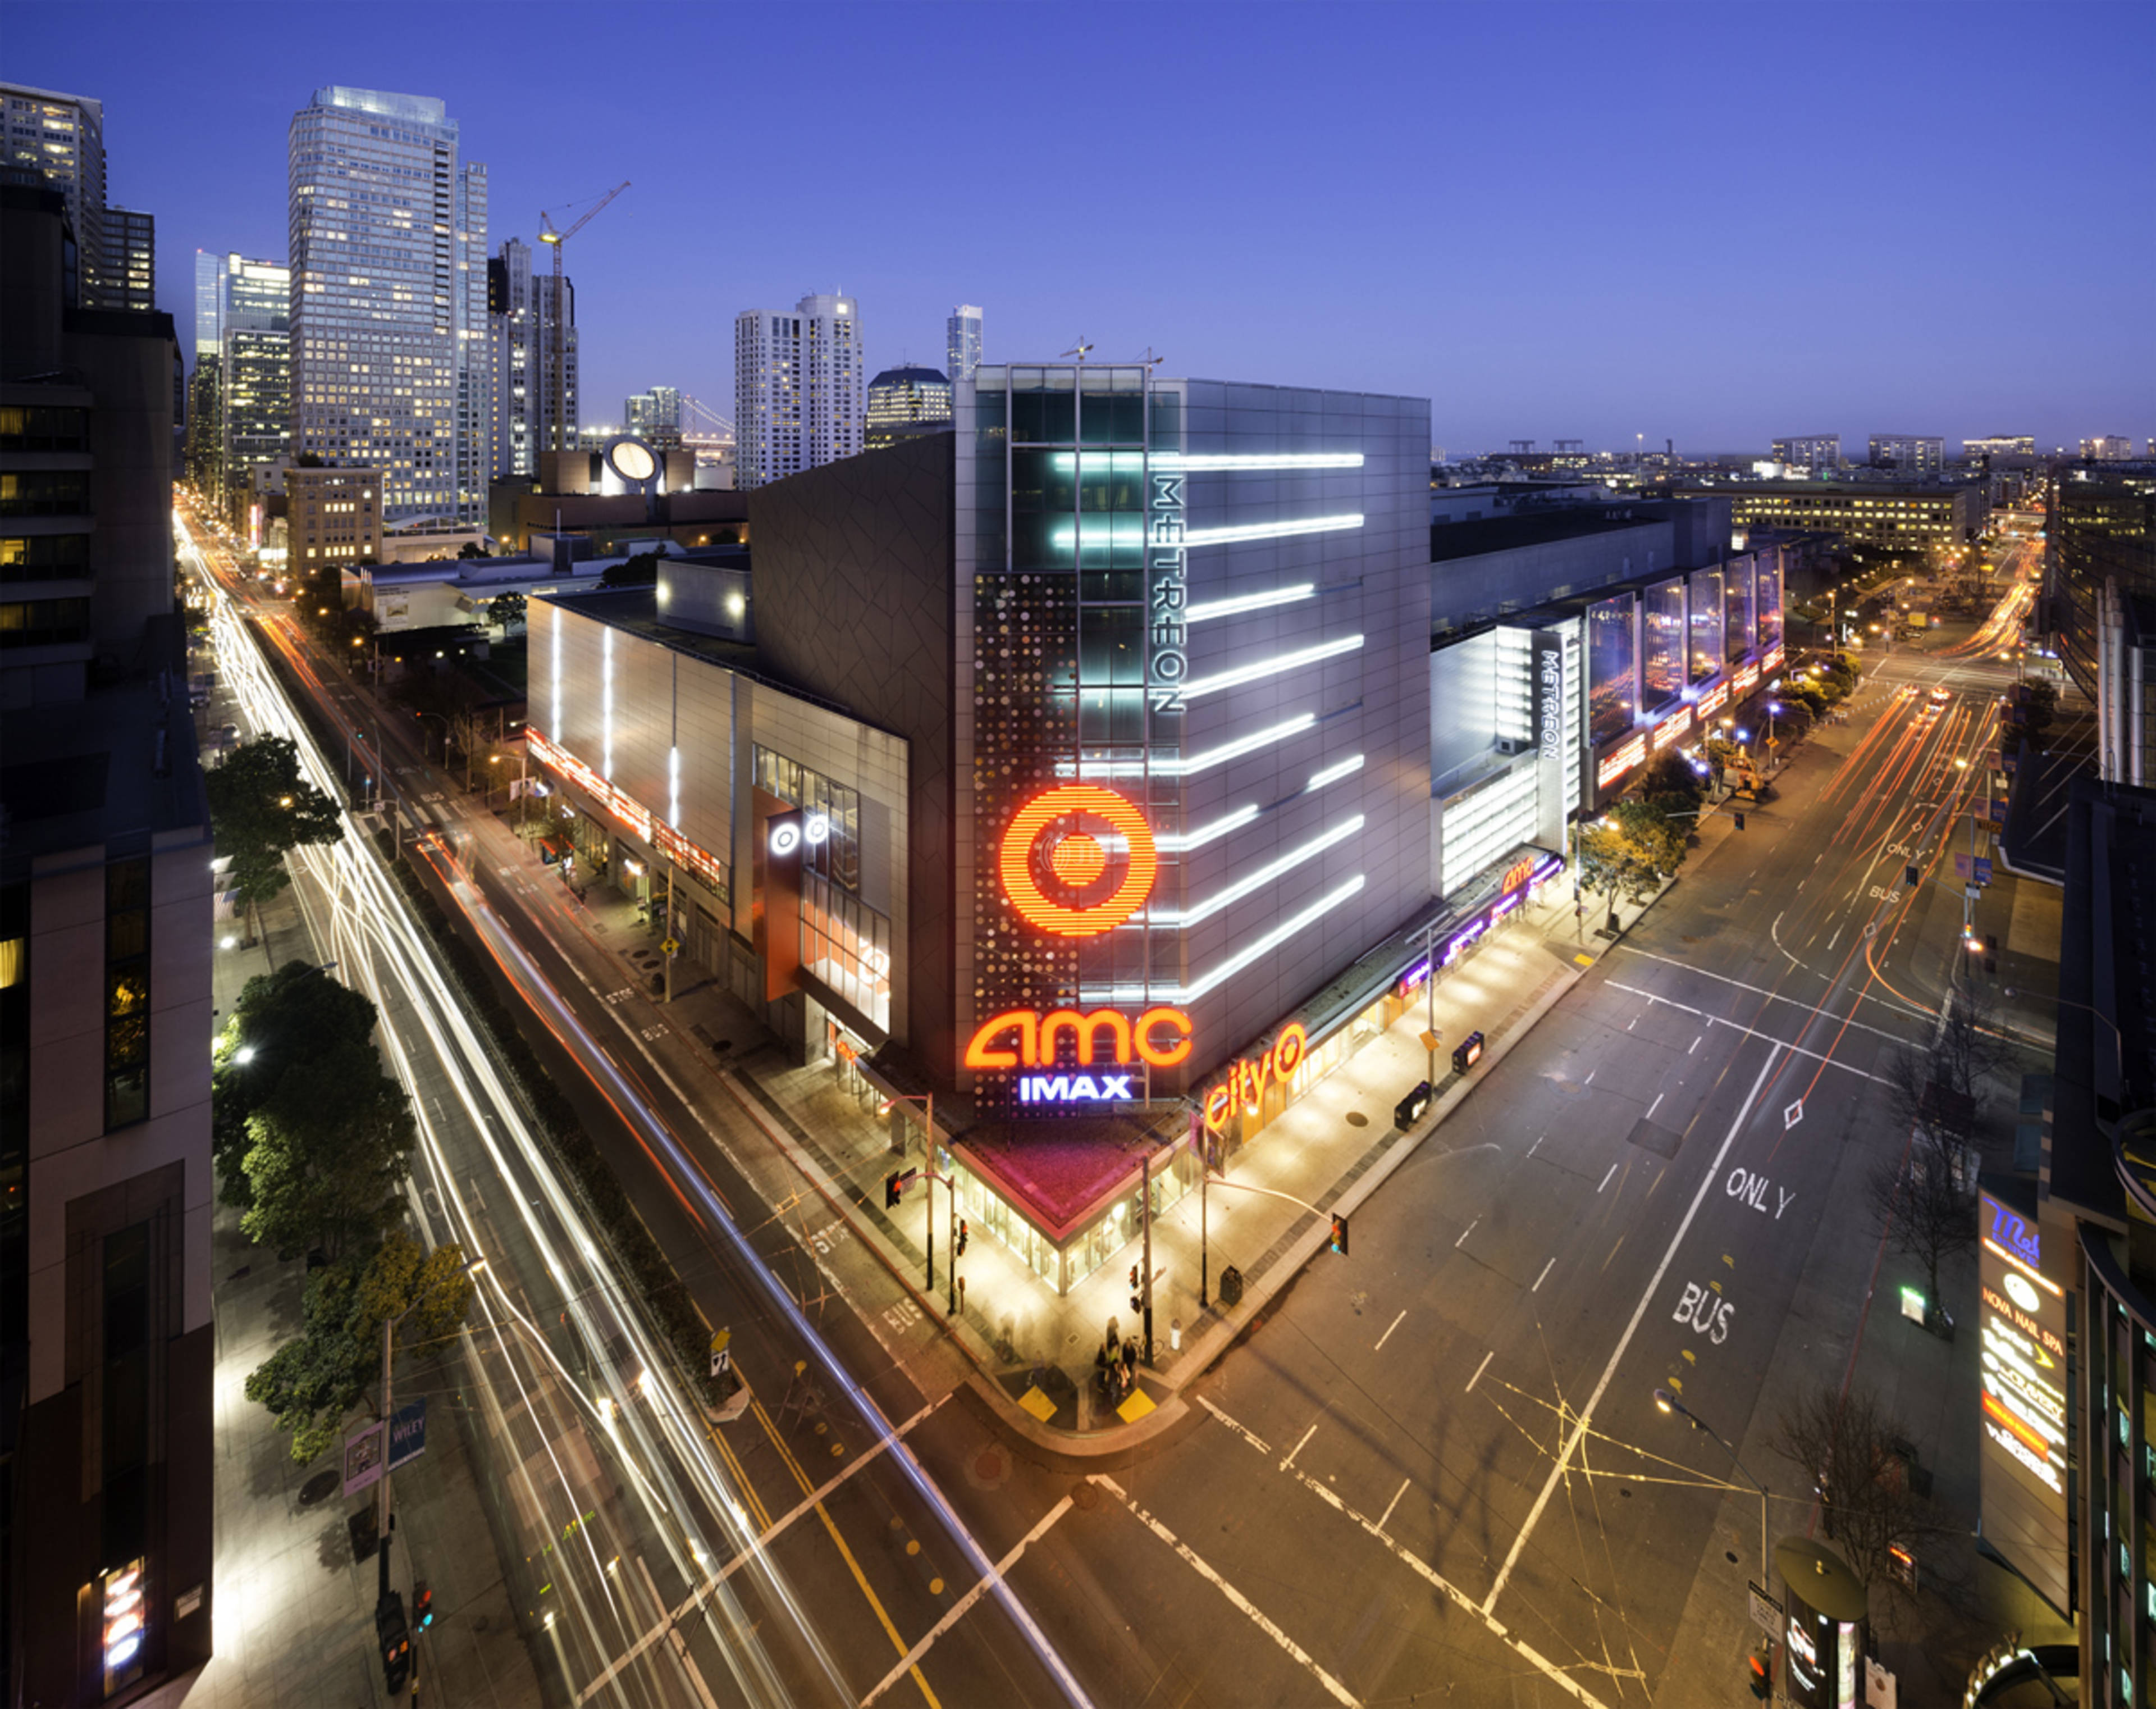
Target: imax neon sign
1076, 1088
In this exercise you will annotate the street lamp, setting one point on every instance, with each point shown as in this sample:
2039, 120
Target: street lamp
2117, 1038
1667, 1401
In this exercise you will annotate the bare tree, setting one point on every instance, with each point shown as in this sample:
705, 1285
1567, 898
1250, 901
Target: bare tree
1924, 1200
1853, 1451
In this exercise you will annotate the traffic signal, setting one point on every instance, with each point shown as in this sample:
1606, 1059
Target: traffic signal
893, 1185
1911, 877
964, 1234
423, 1606
1760, 1674
395, 1641
1137, 1300
1339, 1241
1740, 821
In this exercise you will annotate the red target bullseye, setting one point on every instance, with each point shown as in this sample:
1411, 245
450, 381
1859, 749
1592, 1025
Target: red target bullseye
1078, 859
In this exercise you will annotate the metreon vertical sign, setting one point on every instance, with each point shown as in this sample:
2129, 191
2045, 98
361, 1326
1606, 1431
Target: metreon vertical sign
2025, 1420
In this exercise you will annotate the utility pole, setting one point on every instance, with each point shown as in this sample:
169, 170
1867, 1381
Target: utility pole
669, 945
1145, 1220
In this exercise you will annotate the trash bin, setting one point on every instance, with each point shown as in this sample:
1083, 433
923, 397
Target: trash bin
1408, 1110
1467, 1054
1231, 1286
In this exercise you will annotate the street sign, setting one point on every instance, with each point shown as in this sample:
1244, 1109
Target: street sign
1766, 1612
722, 1357
672, 946
1432, 1039
408, 1433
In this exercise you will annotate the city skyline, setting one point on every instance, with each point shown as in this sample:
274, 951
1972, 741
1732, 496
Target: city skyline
1471, 237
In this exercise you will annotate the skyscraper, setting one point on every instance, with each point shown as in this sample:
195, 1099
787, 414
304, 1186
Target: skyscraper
521, 319
654, 415
907, 401
256, 373
209, 304
961, 335
62, 136
126, 275
388, 301
798, 388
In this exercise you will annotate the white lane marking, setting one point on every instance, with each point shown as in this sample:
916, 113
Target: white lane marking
1837, 938
1298, 1447
1464, 1233
1394, 1503
687, 1662
1544, 1276
1695, 1044
1388, 1335
1656, 1105
905, 1663
1479, 1370
1539, 1138
1589, 1080
1586, 1413
1338, 1692
1779, 1043
1818, 1009
754, 1551
1248, 1435
1415, 1564
1605, 1179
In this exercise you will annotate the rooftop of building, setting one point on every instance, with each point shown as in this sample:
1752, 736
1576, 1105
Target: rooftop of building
909, 376
1888, 481
1540, 527
117, 767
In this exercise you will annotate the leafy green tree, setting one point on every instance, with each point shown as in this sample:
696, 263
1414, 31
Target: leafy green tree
639, 571
282, 1025
506, 610
315, 1381
260, 807
472, 548
327, 1150
1670, 784
1629, 852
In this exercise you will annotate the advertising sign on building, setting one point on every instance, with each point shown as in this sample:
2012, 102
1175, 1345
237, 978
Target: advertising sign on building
2023, 1402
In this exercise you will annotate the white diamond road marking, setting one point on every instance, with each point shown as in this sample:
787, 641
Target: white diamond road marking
1793, 1114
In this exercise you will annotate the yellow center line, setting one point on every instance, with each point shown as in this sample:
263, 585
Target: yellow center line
785, 1454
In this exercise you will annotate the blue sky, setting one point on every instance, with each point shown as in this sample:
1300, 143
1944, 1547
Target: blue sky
1709, 223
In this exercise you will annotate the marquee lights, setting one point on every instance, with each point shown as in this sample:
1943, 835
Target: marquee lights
1205, 610
1712, 701
1065, 800
1278, 664
1253, 951
1247, 1080
1258, 880
1333, 774
1622, 761
1171, 843
1036, 1036
1256, 462
1191, 764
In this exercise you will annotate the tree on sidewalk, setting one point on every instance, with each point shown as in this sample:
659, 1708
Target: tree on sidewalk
259, 807
1853, 1451
1629, 852
316, 1381
506, 609
282, 1025
327, 1153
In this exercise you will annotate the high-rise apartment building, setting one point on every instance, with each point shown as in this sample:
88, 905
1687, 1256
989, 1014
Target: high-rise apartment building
1913, 453
904, 401
209, 304
205, 441
961, 342
255, 374
1999, 444
105, 918
1817, 452
126, 276
2109, 448
388, 301
524, 323
798, 388
62, 136
654, 415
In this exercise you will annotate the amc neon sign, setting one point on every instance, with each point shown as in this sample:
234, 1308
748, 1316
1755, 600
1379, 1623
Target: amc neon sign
1037, 1037
1247, 1080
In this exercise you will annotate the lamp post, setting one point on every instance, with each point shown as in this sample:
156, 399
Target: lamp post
928, 1175
381, 1503
2117, 1038
1668, 1403
445, 734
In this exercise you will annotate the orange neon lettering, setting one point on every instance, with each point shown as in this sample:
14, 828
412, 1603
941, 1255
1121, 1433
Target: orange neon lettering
1141, 1036
1293, 1045
1032, 903
1219, 1106
1085, 1031
1246, 1081
980, 1052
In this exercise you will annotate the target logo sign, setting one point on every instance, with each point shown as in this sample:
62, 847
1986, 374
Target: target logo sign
1058, 873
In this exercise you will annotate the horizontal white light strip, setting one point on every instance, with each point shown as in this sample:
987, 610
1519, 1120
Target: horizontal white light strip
1256, 462
1172, 842
1269, 531
1249, 602
1333, 774
1243, 958
1258, 880
1191, 764
1273, 666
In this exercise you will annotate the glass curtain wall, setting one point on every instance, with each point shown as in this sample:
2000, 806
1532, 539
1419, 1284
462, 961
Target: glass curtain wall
1706, 624
1768, 610
1612, 653
1662, 643
1737, 609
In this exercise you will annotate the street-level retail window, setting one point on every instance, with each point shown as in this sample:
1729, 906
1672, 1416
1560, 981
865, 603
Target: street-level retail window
987, 1212
847, 944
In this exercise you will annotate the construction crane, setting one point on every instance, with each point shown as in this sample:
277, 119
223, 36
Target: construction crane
549, 236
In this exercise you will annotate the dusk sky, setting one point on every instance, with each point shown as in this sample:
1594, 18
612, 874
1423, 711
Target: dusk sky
1714, 223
